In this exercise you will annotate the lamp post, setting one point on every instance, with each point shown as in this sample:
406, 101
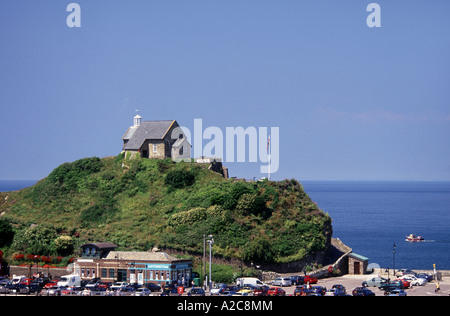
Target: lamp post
210, 242
393, 254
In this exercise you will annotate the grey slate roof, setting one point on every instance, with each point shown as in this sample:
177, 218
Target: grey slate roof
142, 255
136, 135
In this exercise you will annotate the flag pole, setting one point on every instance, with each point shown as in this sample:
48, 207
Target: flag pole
269, 151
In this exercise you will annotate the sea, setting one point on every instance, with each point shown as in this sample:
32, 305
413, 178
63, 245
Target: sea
373, 216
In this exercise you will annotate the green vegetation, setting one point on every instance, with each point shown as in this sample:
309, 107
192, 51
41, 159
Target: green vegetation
140, 203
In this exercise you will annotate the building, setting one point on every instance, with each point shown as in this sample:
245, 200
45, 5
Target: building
156, 139
357, 264
100, 260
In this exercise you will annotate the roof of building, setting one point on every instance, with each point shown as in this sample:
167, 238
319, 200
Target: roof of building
357, 257
141, 255
100, 245
137, 135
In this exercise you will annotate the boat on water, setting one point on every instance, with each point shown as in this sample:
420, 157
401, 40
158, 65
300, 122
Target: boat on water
413, 237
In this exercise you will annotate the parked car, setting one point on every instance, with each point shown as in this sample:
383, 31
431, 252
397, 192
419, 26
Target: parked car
218, 288
52, 291
362, 291
142, 291
414, 281
297, 280
301, 290
402, 272
261, 290
196, 291
282, 282
4, 289
377, 281
309, 279
126, 291
118, 285
335, 292
276, 291
318, 290
153, 287
339, 286
396, 292
405, 282
391, 285
425, 276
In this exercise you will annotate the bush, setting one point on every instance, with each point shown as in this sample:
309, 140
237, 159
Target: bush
6, 233
178, 179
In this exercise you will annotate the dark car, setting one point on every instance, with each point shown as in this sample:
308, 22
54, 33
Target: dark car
153, 287
301, 290
391, 285
297, 280
196, 291
318, 290
261, 290
362, 291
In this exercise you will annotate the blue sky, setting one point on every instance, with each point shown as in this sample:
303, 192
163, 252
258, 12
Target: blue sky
351, 102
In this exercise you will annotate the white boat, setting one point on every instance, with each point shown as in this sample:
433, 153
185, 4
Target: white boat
413, 237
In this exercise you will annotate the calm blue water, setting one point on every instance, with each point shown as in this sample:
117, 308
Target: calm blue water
14, 185
371, 216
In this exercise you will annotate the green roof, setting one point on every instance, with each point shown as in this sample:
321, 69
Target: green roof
358, 257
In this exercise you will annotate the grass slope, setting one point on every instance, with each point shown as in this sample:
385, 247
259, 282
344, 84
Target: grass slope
141, 203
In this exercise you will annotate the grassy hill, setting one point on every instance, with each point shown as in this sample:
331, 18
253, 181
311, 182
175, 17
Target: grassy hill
141, 203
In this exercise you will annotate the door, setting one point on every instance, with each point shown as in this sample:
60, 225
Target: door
357, 267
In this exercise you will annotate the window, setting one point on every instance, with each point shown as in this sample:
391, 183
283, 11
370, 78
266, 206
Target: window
155, 148
104, 273
181, 151
111, 274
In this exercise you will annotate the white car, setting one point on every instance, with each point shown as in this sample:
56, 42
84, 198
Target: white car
142, 291
415, 281
282, 282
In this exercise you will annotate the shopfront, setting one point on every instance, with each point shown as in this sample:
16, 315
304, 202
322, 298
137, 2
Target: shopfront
136, 267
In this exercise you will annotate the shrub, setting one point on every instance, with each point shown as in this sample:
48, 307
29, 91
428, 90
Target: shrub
6, 233
178, 179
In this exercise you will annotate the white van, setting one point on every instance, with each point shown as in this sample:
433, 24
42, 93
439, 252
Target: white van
251, 281
70, 280
18, 279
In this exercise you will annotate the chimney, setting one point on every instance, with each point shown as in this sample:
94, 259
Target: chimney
137, 120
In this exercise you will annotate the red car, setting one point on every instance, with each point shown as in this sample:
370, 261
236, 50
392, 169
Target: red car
310, 279
276, 291
406, 283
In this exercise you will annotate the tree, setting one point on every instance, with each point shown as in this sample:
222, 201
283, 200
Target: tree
6, 233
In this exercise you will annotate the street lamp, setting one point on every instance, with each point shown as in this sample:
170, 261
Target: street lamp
210, 242
393, 254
